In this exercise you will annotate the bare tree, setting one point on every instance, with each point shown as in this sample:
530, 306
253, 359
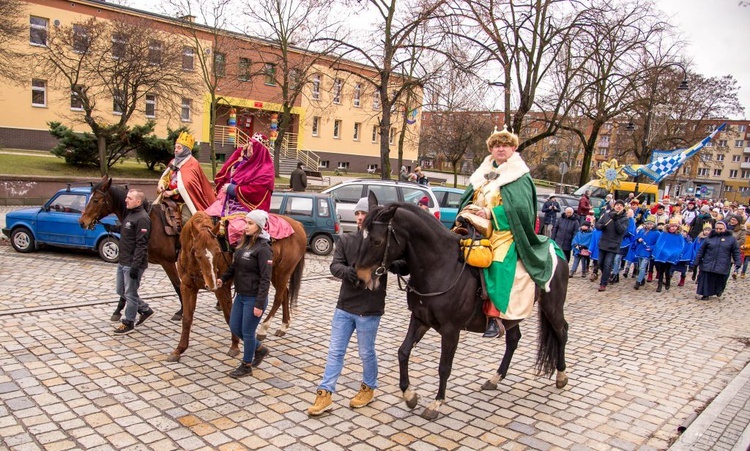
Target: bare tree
123, 60
12, 30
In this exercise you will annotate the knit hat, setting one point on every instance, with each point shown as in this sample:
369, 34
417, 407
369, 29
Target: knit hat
720, 222
586, 223
362, 205
620, 201
259, 217
424, 201
705, 208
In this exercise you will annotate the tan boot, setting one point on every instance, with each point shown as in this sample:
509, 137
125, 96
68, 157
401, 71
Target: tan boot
363, 398
323, 402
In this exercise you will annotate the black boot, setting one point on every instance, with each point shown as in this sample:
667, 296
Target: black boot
667, 283
658, 288
637, 285
245, 369
495, 329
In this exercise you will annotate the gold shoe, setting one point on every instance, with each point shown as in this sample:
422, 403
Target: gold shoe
363, 398
322, 403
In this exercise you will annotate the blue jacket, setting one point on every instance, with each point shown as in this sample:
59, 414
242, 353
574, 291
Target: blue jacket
688, 251
582, 240
668, 247
643, 249
717, 252
627, 240
594, 247
696, 247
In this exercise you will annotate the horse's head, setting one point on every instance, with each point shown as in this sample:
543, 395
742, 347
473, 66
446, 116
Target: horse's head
204, 249
384, 240
99, 206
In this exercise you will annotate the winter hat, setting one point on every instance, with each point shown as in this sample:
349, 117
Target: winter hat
424, 201
705, 208
259, 217
362, 205
620, 201
586, 223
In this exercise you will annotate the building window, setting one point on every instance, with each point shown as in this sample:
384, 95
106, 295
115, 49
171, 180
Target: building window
185, 112
150, 105
391, 135
374, 133
38, 30
741, 128
81, 39
746, 159
735, 158
119, 45
722, 143
733, 173
602, 151
720, 157
324, 164
685, 170
316, 87
38, 92
708, 157
243, 69
293, 79
739, 143
154, 53
710, 128
118, 102
337, 129
717, 172
76, 103
220, 64
188, 58
710, 144
604, 140
315, 125
337, 90
357, 128
702, 172
270, 71
357, 94
342, 165
746, 173
376, 100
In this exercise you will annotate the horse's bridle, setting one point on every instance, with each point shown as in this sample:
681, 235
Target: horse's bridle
380, 270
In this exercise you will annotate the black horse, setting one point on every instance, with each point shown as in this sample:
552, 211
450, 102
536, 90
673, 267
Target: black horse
444, 294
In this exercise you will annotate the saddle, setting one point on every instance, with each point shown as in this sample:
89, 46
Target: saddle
171, 217
468, 236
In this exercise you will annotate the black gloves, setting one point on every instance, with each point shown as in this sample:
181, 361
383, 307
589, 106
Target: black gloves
351, 275
134, 273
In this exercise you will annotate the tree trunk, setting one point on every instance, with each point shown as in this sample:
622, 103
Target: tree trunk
103, 167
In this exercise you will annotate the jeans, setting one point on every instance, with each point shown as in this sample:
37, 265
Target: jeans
745, 261
578, 259
616, 264
606, 262
642, 268
128, 288
342, 327
243, 323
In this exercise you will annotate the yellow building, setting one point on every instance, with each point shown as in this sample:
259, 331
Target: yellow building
335, 116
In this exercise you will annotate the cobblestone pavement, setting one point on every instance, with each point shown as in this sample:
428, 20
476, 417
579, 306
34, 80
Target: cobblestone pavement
639, 363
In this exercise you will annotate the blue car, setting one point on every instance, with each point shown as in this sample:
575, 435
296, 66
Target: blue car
448, 200
56, 224
316, 212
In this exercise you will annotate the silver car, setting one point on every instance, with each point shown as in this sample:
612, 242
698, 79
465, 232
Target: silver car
346, 194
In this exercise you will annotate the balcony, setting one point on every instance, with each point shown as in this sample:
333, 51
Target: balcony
747, 150
745, 165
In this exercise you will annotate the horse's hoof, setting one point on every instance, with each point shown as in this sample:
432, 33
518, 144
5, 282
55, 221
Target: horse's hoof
411, 398
233, 352
176, 317
218, 307
260, 337
115, 317
488, 385
173, 357
560, 383
429, 414
280, 333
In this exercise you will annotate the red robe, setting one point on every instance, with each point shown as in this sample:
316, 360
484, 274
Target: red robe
253, 177
194, 188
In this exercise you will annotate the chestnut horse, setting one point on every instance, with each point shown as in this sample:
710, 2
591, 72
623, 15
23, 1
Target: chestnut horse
443, 294
202, 261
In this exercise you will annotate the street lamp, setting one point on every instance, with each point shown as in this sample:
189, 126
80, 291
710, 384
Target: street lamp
506, 98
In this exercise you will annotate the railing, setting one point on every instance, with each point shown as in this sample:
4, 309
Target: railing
230, 136
224, 135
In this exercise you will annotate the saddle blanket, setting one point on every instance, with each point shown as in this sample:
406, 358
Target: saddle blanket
277, 227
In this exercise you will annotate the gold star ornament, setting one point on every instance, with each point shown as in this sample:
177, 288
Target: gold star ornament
610, 175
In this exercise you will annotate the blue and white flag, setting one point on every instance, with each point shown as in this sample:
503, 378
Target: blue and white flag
667, 165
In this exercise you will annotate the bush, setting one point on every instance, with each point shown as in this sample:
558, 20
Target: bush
159, 151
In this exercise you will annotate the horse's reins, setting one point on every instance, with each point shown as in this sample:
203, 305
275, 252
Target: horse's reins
380, 270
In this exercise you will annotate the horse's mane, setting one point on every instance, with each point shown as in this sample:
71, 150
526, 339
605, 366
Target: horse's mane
383, 214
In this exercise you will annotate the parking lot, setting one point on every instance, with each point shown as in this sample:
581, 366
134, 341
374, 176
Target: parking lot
639, 363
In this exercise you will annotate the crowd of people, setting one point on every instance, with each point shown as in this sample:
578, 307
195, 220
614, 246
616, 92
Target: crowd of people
649, 243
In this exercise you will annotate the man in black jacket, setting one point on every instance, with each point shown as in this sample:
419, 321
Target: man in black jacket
565, 230
357, 309
613, 225
134, 233
298, 179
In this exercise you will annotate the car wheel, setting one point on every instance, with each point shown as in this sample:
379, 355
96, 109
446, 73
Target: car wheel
22, 240
321, 245
109, 249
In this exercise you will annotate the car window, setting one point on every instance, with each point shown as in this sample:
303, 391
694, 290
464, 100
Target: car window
348, 193
412, 195
69, 203
301, 206
385, 194
452, 200
599, 192
275, 204
323, 208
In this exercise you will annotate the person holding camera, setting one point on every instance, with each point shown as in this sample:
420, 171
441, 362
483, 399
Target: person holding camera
613, 225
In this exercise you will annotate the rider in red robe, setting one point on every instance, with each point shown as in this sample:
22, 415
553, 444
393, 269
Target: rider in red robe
247, 177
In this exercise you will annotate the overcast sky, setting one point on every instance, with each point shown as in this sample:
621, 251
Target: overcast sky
716, 32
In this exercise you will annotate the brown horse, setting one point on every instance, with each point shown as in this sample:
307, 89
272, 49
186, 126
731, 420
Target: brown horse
162, 248
202, 261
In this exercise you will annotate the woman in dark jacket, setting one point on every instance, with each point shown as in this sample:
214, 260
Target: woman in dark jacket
715, 260
251, 271
564, 231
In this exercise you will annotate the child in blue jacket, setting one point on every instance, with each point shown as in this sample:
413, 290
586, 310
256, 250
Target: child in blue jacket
644, 242
581, 252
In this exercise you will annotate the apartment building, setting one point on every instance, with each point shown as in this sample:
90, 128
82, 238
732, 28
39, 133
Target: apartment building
335, 116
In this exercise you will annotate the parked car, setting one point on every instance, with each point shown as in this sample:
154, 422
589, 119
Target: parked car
316, 212
56, 224
448, 200
346, 194
565, 200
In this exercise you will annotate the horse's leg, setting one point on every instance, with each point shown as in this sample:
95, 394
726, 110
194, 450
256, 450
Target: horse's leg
262, 331
171, 270
512, 337
189, 299
285, 313
416, 331
224, 299
448, 346
553, 329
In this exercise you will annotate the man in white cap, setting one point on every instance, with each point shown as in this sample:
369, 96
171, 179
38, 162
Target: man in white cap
357, 309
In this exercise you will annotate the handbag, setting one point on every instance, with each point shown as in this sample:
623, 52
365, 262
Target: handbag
477, 253
585, 253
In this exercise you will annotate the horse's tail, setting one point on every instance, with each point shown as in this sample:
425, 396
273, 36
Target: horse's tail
553, 329
294, 283
549, 347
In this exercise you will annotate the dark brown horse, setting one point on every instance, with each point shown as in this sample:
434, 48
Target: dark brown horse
202, 261
162, 248
443, 294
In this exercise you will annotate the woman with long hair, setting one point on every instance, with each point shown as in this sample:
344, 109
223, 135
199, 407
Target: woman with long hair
251, 271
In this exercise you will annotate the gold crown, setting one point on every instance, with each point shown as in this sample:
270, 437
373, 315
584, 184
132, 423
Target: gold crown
186, 139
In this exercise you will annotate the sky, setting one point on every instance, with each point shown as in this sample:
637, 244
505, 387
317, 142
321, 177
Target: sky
715, 32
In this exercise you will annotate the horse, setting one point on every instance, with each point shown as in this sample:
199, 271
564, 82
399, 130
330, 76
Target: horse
202, 262
444, 294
